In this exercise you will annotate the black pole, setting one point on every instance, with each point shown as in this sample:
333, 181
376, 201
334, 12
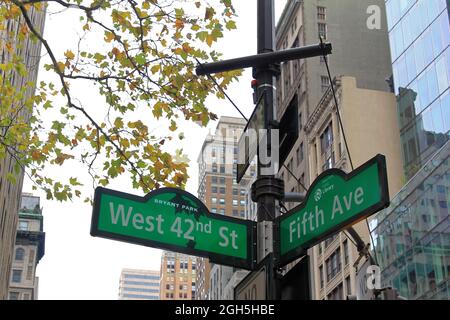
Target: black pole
265, 77
266, 80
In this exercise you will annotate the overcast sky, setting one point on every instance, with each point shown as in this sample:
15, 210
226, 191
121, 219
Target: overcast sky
78, 266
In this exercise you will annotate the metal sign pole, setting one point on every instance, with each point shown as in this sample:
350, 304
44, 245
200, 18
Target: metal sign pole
263, 189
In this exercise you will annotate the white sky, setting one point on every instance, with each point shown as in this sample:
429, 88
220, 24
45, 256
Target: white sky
78, 266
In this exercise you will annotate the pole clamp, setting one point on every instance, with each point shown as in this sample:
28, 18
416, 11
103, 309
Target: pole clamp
268, 185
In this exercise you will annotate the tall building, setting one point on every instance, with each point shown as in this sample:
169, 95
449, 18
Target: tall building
359, 52
221, 194
28, 251
178, 276
29, 51
139, 284
412, 236
369, 130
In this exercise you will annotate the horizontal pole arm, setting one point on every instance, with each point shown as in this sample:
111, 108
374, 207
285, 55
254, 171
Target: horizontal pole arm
294, 197
264, 59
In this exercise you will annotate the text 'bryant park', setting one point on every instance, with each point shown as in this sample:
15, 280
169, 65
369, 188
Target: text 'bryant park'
224, 150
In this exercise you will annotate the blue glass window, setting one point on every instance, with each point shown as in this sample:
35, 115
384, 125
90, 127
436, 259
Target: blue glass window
410, 64
428, 47
432, 83
402, 73
437, 41
437, 117
139, 276
443, 19
441, 72
423, 91
419, 51
142, 290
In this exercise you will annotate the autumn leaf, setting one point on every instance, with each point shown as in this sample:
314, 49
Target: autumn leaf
61, 67
69, 55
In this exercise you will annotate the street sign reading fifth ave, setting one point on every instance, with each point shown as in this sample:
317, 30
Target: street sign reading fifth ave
334, 201
174, 220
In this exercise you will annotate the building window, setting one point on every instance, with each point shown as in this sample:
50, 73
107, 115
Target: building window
242, 202
29, 272
322, 30
235, 202
222, 190
222, 211
222, 169
300, 122
213, 189
242, 214
23, 225
214, 210
213, 200
214, 179
243, 192
14, 296
235, 213
235, 192
326, 139
325, 83
222, 180
17, 276
300, 154
348, 285
346, 259
336, 294
222, 201
333, 265
321, 276
321, 13
20, 253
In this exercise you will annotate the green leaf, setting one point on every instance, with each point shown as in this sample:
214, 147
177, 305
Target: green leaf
140, 59
230, 25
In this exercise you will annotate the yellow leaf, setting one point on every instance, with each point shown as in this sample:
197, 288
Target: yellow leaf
109, 36
61, 66
209, 39
69, 55
155, 68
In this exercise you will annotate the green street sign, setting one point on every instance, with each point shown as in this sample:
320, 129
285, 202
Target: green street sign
334, 201
174, 220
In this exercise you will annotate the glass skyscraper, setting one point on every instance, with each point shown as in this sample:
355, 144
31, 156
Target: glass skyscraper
412, 236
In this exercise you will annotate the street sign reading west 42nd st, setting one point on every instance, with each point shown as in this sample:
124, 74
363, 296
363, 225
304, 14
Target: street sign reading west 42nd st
334, 201
175, 220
